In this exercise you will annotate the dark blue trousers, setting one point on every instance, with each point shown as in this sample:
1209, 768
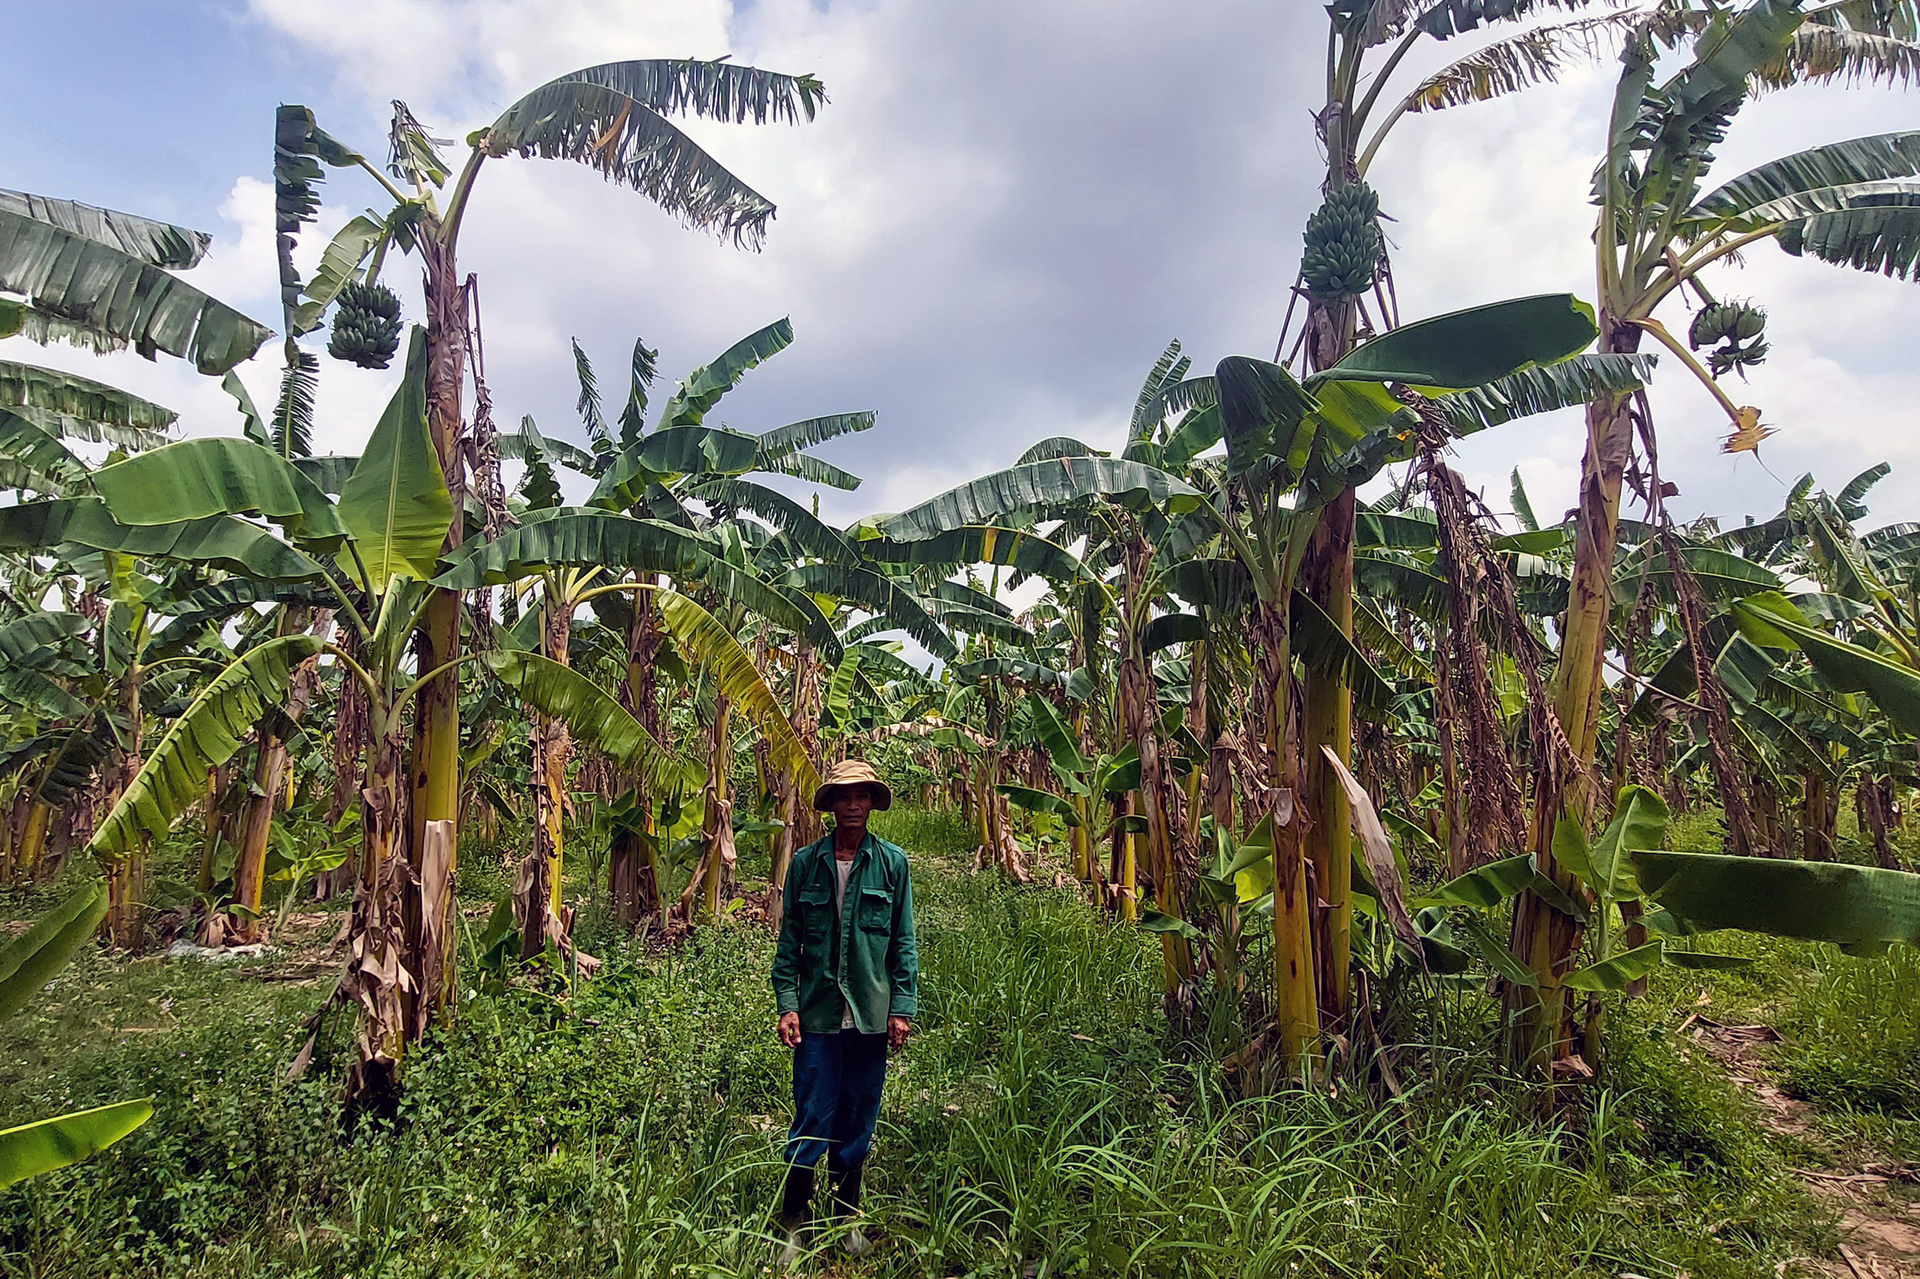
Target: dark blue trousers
836, 1098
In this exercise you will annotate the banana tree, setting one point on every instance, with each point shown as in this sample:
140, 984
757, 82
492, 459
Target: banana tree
587, 542
612, 117
1659, 228
1310, 442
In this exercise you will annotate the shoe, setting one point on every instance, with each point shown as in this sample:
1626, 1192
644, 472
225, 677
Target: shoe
846, 1205
796, 1234
796, 1202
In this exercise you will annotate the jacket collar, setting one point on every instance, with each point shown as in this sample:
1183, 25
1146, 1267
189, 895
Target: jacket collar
870, 845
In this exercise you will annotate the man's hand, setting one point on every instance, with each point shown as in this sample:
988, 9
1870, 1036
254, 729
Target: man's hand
789, 1029
898, 1028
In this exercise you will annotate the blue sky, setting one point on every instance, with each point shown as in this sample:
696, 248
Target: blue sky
1003, 215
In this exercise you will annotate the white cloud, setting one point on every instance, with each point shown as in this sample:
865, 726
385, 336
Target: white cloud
1007, 209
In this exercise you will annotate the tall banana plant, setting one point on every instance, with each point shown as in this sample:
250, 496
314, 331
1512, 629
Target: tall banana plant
614, 118
1309, 442
1851, 203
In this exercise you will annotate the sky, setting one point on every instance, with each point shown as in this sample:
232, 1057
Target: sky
988, 235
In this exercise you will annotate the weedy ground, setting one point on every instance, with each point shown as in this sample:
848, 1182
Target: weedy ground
1045, 1121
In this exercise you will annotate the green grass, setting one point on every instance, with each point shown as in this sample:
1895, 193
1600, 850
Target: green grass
1045, 1121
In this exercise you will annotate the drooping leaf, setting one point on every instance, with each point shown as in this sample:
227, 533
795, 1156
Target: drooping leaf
1847, 667
591, 716
40, 461
396, 504
1497, 956
82, 399
1168, 629
36, 639
668, 454
1197, 433
784, 440
1543, 389
32, 958
1820, 54
1880, 235
814, 470
31, 1149
1007, 668
701, 637
575, 538
1618, 972
1476, 346
1262, 413
1874, 158
801, 526
217, 475
1535, 56
206, 735
155, 243
610, 117
1852, 906
882, 596
329, 472
1051, 483
91, 283
1009, 548
339, 267
1378, 851
220, 541
1324, 648
1039, 801
1486, 886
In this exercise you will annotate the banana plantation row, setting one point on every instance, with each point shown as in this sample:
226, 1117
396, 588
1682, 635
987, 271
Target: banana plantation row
1247, 702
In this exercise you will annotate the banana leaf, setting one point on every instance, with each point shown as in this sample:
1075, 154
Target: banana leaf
1859, 908
396, 504
591, 716
221, 541
72, 396
1472, 347
1773, 622
53, 1143
1039, 801
207, 735
1617, 973
218, 475
1038, 484
33, 957
107, 290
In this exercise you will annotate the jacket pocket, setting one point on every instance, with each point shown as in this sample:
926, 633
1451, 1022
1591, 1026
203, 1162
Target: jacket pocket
816, 910
876, 910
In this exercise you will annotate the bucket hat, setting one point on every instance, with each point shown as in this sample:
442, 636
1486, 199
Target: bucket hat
852, 772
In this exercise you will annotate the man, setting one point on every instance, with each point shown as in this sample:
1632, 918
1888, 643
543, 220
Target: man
847, 977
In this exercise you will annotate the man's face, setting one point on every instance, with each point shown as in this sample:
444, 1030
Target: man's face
851, 804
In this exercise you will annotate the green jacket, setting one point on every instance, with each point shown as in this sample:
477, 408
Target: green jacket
870, 963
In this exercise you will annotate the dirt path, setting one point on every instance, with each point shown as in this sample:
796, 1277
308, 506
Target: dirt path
1879, 1226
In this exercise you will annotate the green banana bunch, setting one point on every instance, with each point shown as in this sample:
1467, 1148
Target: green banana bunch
1736, 324
366, 327
1343, 244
